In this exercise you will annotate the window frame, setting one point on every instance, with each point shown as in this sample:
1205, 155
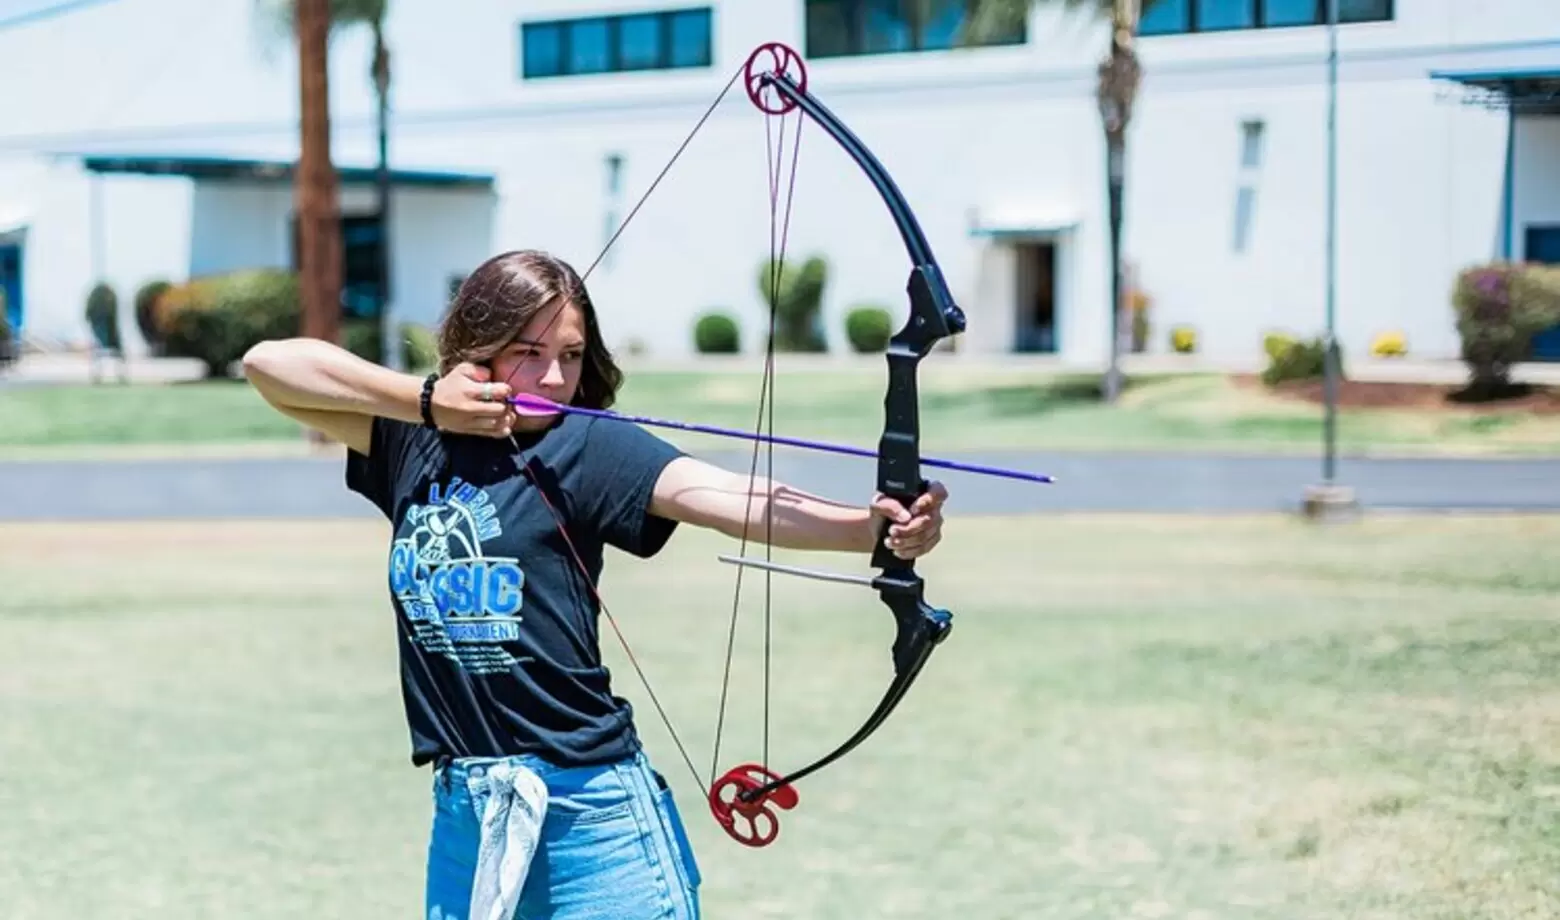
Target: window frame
854, 14
1189, 25
664, 59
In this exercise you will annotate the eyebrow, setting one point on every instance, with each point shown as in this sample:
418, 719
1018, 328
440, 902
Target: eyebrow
535, 344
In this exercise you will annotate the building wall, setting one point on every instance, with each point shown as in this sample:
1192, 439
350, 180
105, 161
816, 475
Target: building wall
990, 146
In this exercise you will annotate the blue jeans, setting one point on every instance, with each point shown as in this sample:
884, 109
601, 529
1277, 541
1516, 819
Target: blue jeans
612, 845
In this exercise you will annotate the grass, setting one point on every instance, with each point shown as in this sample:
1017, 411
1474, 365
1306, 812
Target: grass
962, 408
1135, 717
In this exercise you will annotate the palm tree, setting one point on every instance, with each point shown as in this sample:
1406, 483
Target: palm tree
315, 189
1119, 77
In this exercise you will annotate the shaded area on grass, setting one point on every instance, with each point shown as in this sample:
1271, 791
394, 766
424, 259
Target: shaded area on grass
963, 408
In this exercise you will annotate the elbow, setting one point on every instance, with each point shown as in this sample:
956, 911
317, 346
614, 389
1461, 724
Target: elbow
259, 361
274, 366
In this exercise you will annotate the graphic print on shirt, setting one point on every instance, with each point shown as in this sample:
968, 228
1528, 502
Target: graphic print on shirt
462, 603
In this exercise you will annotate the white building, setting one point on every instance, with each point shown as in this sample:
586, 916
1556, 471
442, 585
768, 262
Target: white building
153, 137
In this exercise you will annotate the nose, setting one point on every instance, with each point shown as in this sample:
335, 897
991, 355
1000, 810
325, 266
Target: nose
554, 375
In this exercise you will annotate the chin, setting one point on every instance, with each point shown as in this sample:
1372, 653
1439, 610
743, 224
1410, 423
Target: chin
534, 422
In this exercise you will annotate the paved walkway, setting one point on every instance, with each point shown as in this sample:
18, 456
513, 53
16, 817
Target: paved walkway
74, 368
283, 487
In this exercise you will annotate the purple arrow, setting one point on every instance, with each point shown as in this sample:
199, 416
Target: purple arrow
543, 406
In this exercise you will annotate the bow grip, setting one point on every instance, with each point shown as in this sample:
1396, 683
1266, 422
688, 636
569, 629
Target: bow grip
882, 556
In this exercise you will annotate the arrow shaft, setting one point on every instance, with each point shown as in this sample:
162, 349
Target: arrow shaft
978, 469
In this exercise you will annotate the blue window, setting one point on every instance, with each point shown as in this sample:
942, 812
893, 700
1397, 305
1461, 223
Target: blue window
691, 44
1175, 17
590, 46
841, 28
1291, 13
663, 40
1226, 14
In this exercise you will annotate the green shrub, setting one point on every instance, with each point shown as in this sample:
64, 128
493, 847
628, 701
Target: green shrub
146, 298
361, 337
103, 316
7, 339
1292, 359
217, 319
716, 334
1500, 307
419, 348
868, 328
798, 303
1275, 344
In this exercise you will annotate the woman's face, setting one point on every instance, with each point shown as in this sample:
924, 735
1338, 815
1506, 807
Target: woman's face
545, 360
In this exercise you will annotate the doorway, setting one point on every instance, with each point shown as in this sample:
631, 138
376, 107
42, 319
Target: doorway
362, 240
1542, 244
11, 284
1034, 319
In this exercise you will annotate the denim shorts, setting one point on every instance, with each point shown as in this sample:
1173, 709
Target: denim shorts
612, 845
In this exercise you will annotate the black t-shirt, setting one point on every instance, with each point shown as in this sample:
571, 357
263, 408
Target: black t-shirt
497, 626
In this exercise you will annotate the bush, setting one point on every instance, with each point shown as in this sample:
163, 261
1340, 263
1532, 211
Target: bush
361, 337
1295, 360
1183, 340
218, 319
1275, 344
1500, 307
419, 348
1391, 344
8, 347
868, 328
716, 334
798, 304
146, 298
103, 317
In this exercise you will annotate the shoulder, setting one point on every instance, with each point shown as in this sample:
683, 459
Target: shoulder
400, 455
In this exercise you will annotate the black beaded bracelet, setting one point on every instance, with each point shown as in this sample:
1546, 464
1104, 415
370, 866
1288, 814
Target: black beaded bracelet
426, 403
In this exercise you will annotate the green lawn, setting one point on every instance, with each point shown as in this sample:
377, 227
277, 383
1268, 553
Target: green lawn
963, 408
1134, 717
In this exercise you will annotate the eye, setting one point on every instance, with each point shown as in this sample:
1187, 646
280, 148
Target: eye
574, 355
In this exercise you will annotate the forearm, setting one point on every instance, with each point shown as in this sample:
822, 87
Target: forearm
789, 518
311, 374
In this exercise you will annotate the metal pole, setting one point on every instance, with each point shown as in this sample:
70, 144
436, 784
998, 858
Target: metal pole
1331, 361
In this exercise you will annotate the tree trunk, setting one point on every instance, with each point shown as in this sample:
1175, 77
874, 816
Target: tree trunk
1115, 155
1119, 77
314, 185
389, 343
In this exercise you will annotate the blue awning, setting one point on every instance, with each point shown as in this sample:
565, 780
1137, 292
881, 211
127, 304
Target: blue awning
230, 168
1524, 89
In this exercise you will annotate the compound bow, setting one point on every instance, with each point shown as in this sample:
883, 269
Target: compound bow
744, 798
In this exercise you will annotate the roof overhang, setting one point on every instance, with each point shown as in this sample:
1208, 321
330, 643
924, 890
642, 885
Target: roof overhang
1020, 222
218, 169
1534, 90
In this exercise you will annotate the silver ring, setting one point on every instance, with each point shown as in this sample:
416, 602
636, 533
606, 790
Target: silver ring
487, 392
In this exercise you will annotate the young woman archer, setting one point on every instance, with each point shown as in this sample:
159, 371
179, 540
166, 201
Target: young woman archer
545, 805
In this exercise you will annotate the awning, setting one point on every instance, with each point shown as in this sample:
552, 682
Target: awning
1019, 221
13, 221
1527, 90
229, 168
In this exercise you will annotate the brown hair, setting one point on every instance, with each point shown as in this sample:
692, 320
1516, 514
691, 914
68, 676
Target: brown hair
503, 296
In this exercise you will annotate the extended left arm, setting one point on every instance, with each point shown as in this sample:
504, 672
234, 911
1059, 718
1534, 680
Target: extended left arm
704, 495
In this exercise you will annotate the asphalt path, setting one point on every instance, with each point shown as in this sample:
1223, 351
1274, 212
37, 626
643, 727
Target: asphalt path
273, 488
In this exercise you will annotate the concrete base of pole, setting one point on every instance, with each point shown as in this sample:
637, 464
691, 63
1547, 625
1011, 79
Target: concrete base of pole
1329, 503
